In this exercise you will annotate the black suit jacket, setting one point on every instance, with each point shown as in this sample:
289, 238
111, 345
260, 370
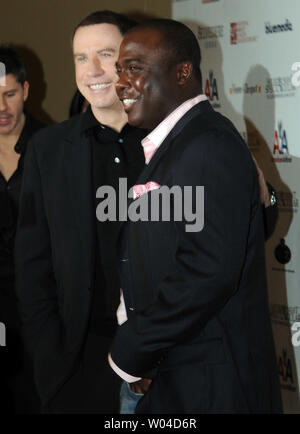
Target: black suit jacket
55, 247
198, 319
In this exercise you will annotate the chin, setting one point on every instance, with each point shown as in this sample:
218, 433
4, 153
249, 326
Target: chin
7, 129
135, 121
104, 103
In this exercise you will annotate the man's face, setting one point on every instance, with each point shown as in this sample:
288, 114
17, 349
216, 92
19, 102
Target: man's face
147, 84
96, 50
12, 98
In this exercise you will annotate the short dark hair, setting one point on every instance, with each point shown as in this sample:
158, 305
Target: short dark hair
107, 17
178, 39
13, 63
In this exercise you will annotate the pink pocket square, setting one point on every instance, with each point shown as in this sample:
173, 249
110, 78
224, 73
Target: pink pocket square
140, 189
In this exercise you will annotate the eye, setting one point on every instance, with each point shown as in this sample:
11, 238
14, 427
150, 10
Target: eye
118, 70
106, 54
11, 94
81, 59
134, 68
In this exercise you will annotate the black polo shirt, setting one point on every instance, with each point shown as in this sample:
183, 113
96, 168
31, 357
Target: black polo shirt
9, 199
115, 155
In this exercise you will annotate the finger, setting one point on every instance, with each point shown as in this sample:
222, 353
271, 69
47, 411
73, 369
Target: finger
136, 389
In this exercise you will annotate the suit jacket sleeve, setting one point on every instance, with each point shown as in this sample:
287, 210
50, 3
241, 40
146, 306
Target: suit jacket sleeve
35, 280
208, 264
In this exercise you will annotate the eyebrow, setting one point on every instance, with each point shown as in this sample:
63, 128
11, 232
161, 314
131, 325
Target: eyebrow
111, 50
126, 61
10, 90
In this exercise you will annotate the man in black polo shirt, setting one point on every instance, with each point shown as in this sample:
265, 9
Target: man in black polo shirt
67, 279
16, 128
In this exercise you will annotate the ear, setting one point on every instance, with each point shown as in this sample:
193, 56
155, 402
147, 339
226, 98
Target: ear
26, 90
184, 72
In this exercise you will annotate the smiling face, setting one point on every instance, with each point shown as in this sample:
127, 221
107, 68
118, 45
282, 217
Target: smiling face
96, 49
12, 98
148, 82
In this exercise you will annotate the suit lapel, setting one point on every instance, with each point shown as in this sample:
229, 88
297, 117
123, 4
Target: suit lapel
198, 109
145, 176
78, 164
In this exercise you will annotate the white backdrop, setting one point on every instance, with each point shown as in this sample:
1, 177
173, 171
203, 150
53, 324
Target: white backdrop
248, 48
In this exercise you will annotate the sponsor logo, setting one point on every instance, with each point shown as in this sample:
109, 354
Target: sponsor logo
278, 28
287, 201
209, 35
280, 148
211, 90
238, 33
284, 315
246, 89
282, 252
286, 371
279, 87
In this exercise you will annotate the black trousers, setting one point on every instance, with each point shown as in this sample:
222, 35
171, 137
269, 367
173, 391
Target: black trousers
94, 388
18, 392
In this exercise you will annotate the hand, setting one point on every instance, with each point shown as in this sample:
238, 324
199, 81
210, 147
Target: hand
141, 386
264, 192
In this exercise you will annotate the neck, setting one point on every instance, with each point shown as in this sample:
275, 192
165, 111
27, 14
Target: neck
190, 93
8, 141
113, 117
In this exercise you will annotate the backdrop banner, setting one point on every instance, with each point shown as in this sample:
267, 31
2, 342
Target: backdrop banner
251, 74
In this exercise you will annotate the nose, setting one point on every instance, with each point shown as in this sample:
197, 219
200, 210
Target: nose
95, 68
122, 83
3, 103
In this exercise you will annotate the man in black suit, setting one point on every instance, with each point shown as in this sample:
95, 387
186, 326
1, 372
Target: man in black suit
66, 266
198, 337
17, 126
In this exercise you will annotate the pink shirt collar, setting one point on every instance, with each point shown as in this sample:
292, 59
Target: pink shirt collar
153, 141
